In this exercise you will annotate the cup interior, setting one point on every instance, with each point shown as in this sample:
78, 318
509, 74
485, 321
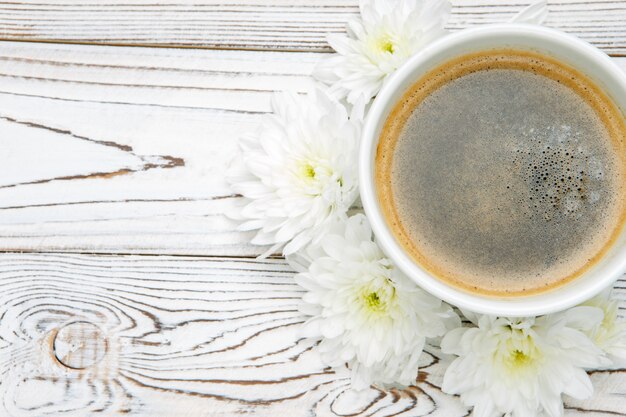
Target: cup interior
561, 46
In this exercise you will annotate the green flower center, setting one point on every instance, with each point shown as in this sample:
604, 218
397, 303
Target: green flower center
313, 174
519, 358
386, 45
604, 332
378, 299
521, 355
308, 171
372, 300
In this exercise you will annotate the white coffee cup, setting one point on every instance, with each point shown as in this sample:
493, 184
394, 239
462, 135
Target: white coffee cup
565, 48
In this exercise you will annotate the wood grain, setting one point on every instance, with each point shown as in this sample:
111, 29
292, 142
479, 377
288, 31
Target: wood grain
293, 25
184, 336
119, 149
111, 149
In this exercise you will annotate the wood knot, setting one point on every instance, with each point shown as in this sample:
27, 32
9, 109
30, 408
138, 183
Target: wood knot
79, 345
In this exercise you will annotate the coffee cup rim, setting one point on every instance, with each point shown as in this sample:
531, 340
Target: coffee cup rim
557, 299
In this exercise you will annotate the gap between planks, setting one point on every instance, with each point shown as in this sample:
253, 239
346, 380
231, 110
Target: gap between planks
192, 47
163, 46
273, 257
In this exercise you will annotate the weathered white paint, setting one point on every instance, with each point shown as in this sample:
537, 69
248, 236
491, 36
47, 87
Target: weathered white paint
125, 149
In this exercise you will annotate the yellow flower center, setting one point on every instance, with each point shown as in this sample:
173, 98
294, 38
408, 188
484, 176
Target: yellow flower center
606, 328
521, 354
519, 358
386, 45
313, 169
307, 170
608, 321
313, 174
378, 299
373, 301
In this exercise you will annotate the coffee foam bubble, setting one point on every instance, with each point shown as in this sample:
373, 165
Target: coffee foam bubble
560, 172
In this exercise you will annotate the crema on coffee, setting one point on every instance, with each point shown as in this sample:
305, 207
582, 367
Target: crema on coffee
504, 172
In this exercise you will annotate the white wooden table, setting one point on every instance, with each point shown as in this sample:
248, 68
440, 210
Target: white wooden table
124, 290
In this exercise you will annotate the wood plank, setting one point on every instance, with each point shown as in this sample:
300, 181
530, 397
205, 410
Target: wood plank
290, 25
184, 336
111, 149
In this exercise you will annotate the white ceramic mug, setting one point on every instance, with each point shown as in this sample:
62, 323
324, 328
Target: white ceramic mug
565, 48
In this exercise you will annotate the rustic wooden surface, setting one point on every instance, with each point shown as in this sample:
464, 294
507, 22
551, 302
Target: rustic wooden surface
291, 25
121, 151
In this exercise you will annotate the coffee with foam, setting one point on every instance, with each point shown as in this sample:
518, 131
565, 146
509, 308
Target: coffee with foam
504, 172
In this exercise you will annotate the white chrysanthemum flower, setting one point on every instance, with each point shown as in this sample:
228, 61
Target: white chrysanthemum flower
298, 172
519, 367
386, 35
366, 312
610, 334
